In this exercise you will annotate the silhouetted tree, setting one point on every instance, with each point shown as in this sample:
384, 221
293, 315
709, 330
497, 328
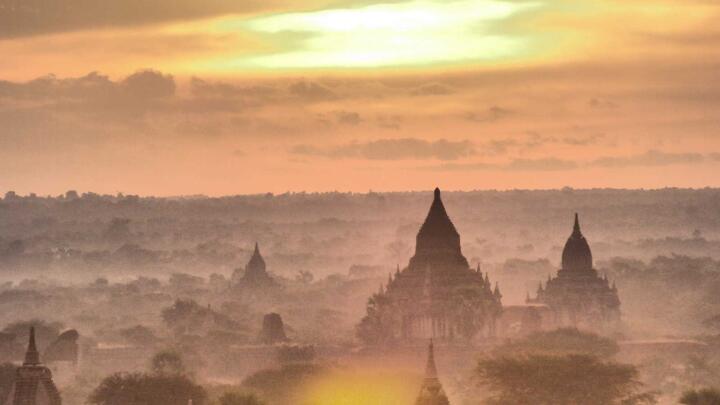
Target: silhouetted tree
7, 378
560, 380
562, 341
168, 363
234, 398
706, 396
146, 389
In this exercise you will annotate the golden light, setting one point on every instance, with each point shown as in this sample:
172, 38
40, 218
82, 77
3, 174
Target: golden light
366, 387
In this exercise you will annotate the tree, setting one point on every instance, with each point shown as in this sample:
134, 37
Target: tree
570, 379
706, 396
7, 379
167, 362
147, 389
234, 398
563, 341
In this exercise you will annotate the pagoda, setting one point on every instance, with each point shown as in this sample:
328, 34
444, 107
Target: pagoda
437, 295
255, 273
578, 296
431, 392
33, 381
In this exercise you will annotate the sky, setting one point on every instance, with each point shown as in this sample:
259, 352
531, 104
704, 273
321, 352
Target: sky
180, 97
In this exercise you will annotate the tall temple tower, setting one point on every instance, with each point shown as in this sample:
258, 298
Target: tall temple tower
431, 392
578, 296
33, 381
255, 273
437, 295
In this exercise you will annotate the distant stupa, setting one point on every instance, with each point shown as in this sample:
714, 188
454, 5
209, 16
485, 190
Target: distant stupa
437, 295
33, 381
431, 392
255, 273
578, 296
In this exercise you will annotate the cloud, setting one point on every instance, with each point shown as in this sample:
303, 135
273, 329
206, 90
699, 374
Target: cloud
311, 91
543, 164
348, 118
393, 149
601, 103
649, 158
492, 114
432, 89
32, 17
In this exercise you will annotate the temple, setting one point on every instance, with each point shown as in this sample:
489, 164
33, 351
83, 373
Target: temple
437, 295
33, 381
254, 274
578, 296
431, 392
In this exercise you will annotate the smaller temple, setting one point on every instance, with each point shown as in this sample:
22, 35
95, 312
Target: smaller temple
33, 381
254, 274
273, 330
431, 392
578, 296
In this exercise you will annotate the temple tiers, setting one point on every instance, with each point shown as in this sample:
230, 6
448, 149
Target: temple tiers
578, 296
33, 381
437, 295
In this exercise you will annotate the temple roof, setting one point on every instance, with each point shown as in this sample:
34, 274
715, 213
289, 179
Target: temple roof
437, 234
576, 255
437, 222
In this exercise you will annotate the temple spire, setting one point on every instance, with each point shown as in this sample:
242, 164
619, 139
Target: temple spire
32, 356
576, 227
430, 368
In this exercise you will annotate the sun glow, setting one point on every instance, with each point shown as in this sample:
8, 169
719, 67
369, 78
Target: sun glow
418, 32
367, 387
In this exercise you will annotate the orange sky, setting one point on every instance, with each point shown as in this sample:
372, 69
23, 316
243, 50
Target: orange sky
222, 97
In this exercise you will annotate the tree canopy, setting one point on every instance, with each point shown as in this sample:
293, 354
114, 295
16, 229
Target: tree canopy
569, 379
706, 396
147, 389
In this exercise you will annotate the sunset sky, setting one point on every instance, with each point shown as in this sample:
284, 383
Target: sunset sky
171, 97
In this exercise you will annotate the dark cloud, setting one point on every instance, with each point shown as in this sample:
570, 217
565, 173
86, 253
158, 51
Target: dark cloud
492, 114
311, 91
602, 103
498, 146
31, 17
348, 118
393, 122
649, 158
544, 164
393, 149
433, 89
92, 95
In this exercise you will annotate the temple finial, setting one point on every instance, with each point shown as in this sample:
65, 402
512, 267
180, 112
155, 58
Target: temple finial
437, 193
32, 356
257, 248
